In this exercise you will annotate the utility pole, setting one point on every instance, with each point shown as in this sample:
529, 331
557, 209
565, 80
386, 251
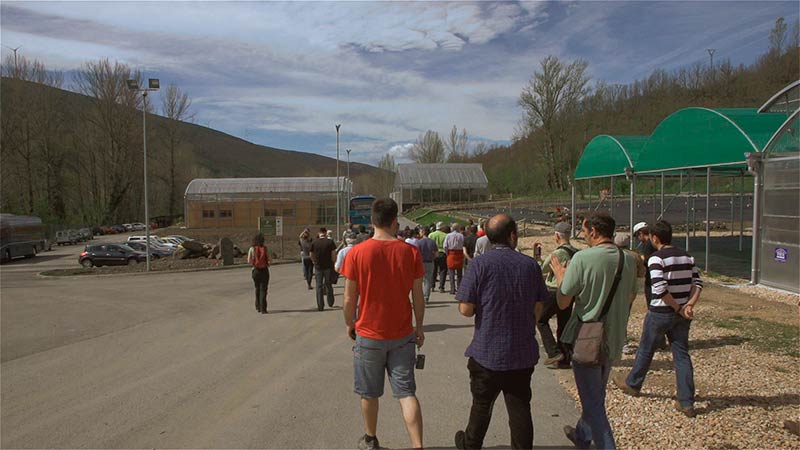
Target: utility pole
711, 57
338, 199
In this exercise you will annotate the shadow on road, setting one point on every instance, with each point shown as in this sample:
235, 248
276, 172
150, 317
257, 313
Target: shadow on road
38, 259
441, 327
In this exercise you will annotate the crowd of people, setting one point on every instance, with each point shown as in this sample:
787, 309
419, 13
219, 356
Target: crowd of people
389, 275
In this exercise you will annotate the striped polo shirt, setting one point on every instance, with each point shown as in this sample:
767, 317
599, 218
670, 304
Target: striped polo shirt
671, 270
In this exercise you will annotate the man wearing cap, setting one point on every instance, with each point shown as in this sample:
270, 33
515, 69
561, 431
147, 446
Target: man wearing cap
428, 250
349, 240
440, 263
558, 355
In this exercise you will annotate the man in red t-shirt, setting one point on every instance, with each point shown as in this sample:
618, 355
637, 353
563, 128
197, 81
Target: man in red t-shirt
380, 273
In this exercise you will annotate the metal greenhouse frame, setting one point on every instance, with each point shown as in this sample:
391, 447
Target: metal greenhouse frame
688, 143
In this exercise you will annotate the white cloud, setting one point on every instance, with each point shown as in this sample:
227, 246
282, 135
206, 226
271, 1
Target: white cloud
401, 152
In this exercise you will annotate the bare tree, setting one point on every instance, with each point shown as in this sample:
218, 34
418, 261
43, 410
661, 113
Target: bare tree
388, 164
175, 107
551, 92
115, 137
777, 36
428, 148
456, 145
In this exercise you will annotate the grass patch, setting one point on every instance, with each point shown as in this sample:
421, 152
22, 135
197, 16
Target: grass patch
416, 214
764, 335
437, 217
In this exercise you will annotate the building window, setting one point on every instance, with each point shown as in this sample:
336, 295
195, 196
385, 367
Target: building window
270, 212
288, 212
208, 213
326, 214
225, 213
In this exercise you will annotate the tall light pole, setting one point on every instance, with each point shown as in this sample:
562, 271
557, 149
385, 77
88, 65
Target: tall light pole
338, 198
711, 56
348, 162
152, 86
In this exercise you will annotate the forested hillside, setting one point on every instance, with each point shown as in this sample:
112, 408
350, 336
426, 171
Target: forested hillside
564, 110
75, 159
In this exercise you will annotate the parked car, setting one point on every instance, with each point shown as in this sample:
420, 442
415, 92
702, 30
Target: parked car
172, 240
153, 239
85, 234
137, 226
119, 228
128, 227
110, 255
155, 251
67, 237
98, 231
179, 237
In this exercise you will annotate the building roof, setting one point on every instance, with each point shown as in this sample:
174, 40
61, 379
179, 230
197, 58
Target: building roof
787, 138
786, 100
449, 175
607, 156
201, 186
700, 137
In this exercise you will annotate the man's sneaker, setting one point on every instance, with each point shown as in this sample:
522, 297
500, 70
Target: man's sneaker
619, 380
569, 432
368, 443
554, 359
687, 411
461, 440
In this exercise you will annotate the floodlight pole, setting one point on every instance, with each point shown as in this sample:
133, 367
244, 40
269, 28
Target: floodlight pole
338, 197
348, 162
134, 86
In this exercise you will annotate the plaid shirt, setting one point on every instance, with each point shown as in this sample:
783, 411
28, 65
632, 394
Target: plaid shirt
504, 285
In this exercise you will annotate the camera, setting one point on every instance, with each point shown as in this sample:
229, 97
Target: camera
420, 362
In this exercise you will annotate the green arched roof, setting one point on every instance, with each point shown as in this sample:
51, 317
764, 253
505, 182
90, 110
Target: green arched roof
702, 137
607, 156
787, 138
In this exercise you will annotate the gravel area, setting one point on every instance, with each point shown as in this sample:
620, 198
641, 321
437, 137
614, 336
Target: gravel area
744, 391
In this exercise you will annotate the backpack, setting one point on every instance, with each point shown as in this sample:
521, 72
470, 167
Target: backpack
570, 251
260, 259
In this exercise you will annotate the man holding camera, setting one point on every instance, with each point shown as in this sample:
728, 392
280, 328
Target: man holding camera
380, 273
504, 291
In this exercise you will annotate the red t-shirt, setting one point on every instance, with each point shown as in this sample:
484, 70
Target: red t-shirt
385, 272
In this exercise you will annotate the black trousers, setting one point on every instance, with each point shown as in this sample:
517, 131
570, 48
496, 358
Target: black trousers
440, 263
554, 346
486, 385
308, 270
261, 281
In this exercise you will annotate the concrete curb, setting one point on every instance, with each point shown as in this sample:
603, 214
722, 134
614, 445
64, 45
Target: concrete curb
157, 272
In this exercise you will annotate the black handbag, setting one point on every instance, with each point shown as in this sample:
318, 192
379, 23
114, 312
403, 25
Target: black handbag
589, 348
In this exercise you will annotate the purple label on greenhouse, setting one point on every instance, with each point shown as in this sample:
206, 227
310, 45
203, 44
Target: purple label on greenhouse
781, 254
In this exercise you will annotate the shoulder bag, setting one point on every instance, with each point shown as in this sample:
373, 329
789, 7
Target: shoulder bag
590, 348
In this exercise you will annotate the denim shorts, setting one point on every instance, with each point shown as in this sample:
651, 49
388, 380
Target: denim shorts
373, 358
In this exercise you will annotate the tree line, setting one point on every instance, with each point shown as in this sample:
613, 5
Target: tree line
563, 111
74, 162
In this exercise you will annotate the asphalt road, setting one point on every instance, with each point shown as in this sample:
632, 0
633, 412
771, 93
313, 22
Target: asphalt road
184, 361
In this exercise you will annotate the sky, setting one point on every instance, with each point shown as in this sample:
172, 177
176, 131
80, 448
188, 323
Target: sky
283, 74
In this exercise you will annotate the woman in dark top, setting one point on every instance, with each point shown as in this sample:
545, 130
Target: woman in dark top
258, 257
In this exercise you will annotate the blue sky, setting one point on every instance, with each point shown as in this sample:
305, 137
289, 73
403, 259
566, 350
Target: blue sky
284, 73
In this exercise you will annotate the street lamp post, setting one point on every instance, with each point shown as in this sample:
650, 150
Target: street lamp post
348, 162
152, 86
338, 197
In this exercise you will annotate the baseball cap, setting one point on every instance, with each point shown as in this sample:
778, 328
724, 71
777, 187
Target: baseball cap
439, 225
563, 228
622, 240
638, 227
